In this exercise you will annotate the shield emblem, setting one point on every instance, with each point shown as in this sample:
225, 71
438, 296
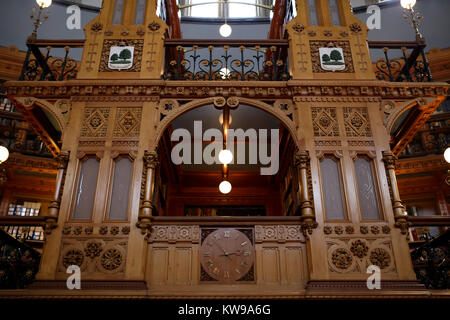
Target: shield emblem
332, 59
121, 58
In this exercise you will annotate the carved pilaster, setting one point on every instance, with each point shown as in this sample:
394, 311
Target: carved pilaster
308, 217
400, 215
53, 210
147, 207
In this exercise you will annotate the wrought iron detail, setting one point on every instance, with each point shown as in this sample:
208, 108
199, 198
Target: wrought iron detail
227, 62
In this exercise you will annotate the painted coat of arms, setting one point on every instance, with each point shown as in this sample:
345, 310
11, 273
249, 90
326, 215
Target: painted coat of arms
121, 58
332, 59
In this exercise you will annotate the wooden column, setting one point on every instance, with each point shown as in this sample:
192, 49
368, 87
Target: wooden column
147, 207
53, 209
400, 215
308, 217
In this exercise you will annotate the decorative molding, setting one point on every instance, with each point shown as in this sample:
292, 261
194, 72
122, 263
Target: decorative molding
174, 234
94, 255
278, 233
354, 255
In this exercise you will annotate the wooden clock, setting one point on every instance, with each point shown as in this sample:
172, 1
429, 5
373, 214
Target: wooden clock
227, 255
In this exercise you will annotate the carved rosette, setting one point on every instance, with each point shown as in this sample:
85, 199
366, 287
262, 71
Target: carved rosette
350, 255
342, 258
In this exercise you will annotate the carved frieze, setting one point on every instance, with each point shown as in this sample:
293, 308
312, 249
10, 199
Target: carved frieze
278, 233
354, 255
173, 234
93, 255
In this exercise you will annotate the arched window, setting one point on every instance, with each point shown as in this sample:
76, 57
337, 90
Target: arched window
86, 186
225, 9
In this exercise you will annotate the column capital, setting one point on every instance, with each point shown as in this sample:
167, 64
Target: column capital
302, 159
389, 160
151, 159
63, 159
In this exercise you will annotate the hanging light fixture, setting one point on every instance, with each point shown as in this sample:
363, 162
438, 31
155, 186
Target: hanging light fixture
4, 154
44, 3
408, 4
225, 156
225, 187
447, 155
225, 30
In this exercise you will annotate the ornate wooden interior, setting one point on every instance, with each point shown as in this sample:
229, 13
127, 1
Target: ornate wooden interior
339, 130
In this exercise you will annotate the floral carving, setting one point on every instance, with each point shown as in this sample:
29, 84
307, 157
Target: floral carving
73, 257
364, 229
380, 257
357, 122
298, 27
325, 121
349, 230
355, 28
375, 229
338, 230
154, 26
386, 229
77, 230
93, 249
103, 230
342, 258
111, 259
126, 230
114, 230
97, 27
67, 229
359, 248
327, 230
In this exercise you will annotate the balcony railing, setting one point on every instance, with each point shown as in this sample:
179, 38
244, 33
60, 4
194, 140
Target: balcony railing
19, 262
400, 61
431, 256
54, 64
263, 60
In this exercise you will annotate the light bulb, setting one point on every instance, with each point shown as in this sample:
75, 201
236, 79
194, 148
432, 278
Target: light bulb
221, 119
225, 156
447, 155
44, 3
4, 154
225, 187
407, 4
225, 30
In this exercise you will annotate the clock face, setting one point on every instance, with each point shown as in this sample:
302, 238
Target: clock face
227, 255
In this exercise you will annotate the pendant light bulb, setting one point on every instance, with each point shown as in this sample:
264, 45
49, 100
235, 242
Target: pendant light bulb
225, 30
225, 156
225, 187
